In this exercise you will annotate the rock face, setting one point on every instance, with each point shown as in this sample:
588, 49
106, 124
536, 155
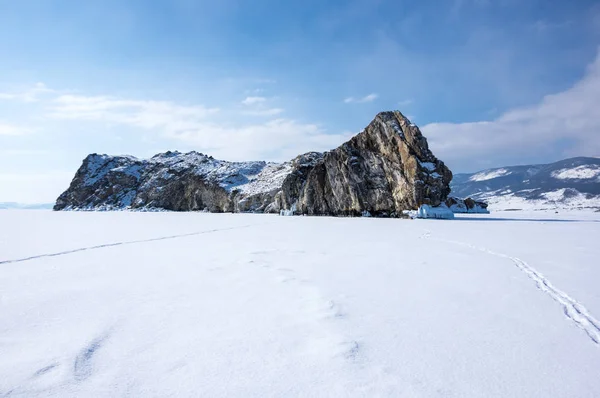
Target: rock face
385, 169
468, 205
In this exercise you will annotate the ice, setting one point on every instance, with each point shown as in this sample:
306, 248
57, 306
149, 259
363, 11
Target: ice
288, 212
111, 304
439, 212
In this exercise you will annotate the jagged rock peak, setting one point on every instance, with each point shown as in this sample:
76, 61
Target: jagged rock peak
384, 169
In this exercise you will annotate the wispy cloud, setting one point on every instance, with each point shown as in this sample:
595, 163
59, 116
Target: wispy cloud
253, 100
10, 129
568, 120
257, 106
367, 98
145, 114
30, 94
198, 127
405, 102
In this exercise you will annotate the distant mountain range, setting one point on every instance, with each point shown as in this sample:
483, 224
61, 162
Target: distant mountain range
15, 205
569, 183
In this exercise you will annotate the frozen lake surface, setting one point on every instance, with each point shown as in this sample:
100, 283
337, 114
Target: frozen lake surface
119, 304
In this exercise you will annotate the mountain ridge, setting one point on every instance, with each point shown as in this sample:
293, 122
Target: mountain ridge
567, 183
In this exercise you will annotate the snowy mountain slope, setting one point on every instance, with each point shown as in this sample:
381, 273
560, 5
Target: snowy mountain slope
158, 304
228, 175
569, 183
114, 182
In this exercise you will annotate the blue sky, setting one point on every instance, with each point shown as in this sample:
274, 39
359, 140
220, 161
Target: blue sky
491, 83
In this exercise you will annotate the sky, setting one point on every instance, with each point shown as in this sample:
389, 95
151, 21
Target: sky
490, 82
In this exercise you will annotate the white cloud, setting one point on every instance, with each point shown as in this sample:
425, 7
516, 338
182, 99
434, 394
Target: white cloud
9, 129
136, 113
253, 100
368, 98
31, 94
222, 134
566, 123
405, 102
279, 139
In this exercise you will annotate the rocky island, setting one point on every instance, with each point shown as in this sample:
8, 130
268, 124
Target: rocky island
385, 169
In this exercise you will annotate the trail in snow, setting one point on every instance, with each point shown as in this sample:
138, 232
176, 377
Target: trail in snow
323, 313
130, 242
82, 367
573, 310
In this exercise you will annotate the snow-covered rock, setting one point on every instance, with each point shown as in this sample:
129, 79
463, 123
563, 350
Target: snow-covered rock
468, 205
173, 181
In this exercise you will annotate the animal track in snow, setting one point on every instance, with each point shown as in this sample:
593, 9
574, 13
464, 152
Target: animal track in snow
351, 349
573, 310
324, 313
131, 242
45, 370
83, 366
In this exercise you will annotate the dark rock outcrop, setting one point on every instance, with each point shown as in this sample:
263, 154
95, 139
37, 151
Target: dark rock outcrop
385, 169
468, 205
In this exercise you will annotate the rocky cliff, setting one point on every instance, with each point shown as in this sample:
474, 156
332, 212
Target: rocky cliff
385, 169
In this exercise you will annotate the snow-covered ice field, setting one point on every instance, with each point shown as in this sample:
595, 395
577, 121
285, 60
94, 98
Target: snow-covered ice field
119, 304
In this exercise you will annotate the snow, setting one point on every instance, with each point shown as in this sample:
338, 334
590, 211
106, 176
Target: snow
393, 122
270, 178
558, 199
580, 172
439, 212
249, 178
109, 304
489, 174
134, 171
558, 194
428, 165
